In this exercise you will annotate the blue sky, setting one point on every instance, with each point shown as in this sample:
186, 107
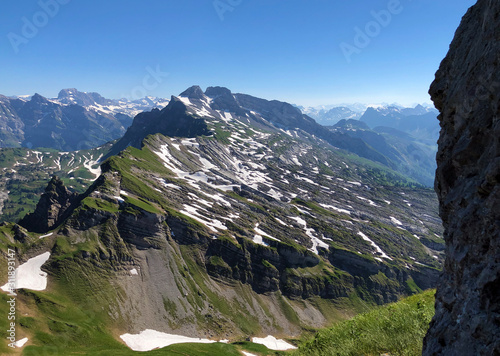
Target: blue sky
290, 50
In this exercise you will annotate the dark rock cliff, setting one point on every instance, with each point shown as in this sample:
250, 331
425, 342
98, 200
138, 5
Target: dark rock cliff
53, 207
467, 93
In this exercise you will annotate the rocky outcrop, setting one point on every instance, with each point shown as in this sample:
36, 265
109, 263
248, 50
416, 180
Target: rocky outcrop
173, 121
142, 229
54, 206
467, 93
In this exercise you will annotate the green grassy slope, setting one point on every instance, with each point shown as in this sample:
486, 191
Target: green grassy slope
395, 329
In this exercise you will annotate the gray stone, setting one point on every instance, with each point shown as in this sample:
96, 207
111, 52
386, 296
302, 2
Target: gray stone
467, 93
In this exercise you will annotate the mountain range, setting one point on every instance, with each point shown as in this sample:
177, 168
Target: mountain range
411, 154
72, 121
329, 115
221, 216
77, 120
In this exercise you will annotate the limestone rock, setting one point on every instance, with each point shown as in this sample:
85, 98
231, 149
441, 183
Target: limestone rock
467, 93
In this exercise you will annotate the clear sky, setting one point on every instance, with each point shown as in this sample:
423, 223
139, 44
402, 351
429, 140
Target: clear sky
307, 52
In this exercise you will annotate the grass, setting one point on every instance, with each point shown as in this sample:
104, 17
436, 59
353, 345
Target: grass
130, 163
100, 204
122, 350
64, 320
142, 204
396, 329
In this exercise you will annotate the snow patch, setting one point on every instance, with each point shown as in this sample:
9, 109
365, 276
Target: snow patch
190, 142
395, 221
21, 343
212, 224
280, 221
263, 233
296, 160
368, 200
89, 162
336, 209
29, 275
309, 232
41, 237
149, 340
247, 353
378, 249
273, 344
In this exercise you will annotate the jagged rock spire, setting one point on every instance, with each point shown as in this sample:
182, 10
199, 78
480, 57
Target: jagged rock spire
52, 208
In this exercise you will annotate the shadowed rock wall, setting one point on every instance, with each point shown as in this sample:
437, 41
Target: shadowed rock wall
467, 93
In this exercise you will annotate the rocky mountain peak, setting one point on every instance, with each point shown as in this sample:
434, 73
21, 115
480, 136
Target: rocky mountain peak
193, 92
214, 92
467, 93
56, 186
73, 96
64, 93
37, 98
53, 207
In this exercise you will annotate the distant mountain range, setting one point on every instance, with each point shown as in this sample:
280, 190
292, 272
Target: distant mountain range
72, 121
406, 136
329, 115
399, 138
412, 156
420, 122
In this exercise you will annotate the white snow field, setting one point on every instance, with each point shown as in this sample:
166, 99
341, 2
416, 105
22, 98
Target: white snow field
29, 275
273, 344
149, 340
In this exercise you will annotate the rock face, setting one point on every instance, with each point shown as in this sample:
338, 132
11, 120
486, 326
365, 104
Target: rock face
52, 209
467, 93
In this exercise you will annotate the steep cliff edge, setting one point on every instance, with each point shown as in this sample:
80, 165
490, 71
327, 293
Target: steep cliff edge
467, 93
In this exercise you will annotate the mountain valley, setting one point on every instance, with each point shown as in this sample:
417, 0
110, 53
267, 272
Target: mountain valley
221, 216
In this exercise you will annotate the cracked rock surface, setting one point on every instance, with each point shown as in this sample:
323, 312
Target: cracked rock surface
467, 93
